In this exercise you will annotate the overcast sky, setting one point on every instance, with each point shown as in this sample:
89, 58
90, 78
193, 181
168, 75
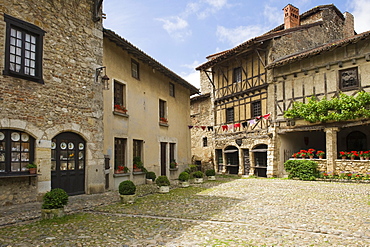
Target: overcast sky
180, 34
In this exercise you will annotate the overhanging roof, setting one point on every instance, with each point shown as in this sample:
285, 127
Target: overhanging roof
140, 55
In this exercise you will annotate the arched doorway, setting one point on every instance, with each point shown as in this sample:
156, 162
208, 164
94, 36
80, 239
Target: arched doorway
232, 159
260, 160
68, 163
356, 141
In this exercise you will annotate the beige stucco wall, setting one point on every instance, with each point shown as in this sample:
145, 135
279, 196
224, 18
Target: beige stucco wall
142, 122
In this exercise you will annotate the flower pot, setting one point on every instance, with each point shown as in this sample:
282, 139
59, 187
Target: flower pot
198, 180
184, 184
126, 199
52, 213
164, 189
321, 157
211, 177
32, 170
344, 157
149, 181
311, 157
352, 158
367, 158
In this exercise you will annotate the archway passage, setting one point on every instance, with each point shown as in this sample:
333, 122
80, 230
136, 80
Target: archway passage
260, 160
232, 159
68, 163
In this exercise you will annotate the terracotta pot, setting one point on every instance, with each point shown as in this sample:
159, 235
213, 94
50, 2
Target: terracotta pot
32, 170
321, 157
344, 157
311, 157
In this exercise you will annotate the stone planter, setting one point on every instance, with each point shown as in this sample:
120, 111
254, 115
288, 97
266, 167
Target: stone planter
164, 189
52, 213
126, 199
149, 181
198, 180
184, 184
211, 177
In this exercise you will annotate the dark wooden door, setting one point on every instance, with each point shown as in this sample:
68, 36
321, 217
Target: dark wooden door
163, 158
68, 163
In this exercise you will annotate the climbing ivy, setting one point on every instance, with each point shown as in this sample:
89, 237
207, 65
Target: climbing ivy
341, 108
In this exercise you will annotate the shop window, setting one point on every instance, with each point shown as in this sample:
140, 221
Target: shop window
16, 151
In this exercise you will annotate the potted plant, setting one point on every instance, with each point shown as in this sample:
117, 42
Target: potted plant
32, 168
173, 164
320, 154
150, 177
163, 184
138, 165
120, 108
53, 204
184, 179
127, 191
311, 153
122, 169
353, 155
343, 155
198, 177
211, 174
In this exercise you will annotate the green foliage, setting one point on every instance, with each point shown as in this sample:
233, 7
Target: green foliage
197, 174
162, 181
302, 169
210, 172
127, 187
139, 164
191, 169
56, 198
150, 175
184, 176
341, 108
31, 165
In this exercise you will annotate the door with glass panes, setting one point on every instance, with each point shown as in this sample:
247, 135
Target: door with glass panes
68, 163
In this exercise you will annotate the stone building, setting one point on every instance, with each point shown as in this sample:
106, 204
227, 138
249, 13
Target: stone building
324, 72
51, 110
243, 107
146, 114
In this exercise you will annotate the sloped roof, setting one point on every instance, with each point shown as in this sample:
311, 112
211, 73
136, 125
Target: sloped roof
276, 32
318, 50
142, 56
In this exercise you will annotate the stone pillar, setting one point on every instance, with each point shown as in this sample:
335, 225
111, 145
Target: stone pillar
225, 162
331, 148
241, 161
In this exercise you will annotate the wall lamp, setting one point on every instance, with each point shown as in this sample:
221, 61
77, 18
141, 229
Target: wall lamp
104, 78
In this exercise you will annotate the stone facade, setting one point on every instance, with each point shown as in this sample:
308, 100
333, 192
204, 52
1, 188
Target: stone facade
155, 119
243, 94
67, 99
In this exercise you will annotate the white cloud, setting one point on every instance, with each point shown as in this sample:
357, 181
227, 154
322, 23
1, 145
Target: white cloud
192, 65
238, 35
176, 27
193, 78
210, 7
269, 13
361, 13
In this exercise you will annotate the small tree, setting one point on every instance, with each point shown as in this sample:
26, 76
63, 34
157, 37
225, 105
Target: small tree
150, 175
127, 188
302, 169
162, 181
184, 176
198, 174
210, 172
56, 198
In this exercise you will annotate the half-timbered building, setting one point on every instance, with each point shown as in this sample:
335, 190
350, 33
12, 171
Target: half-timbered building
244, 136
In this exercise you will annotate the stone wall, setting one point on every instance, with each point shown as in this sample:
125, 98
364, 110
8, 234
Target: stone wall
18, 190
69, 99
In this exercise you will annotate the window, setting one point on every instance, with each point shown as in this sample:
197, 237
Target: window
135, 69
119, 153
237, 75
137, 149
172, 89
172, 152
230, 115
205, 142
256, 109
348, 78
23, 50
162, 111
16, 151
119, 96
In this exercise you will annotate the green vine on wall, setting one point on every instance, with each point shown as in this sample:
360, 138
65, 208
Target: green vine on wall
341, 108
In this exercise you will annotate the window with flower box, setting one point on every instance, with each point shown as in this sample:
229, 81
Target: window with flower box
163, 112
120, 165
23, 49
16, 152
119, 97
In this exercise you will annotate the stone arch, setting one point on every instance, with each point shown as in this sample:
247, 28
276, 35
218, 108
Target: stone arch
232, 159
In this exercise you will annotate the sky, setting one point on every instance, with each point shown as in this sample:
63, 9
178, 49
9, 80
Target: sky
180, 34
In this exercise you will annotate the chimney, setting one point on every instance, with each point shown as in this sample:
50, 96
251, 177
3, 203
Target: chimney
349, 25
291, 16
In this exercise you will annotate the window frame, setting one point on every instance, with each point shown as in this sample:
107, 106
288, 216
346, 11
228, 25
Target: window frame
230, 115
30, 29
237, 75
135, 69
137, 148
162, 107
351, 87
254, 104
172, 89
205, 142
8, 151
120, 149
172, 152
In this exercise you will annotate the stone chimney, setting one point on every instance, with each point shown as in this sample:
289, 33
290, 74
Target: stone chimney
349, 25
291, 16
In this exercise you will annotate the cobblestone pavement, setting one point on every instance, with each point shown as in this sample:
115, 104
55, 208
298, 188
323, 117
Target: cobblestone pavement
242, 212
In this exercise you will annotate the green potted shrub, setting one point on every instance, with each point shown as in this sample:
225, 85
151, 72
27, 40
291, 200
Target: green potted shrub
163, 184
32, 168
53, 204
198, 177
138, 165
184, 179
150, 177
211, 174
127, 191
